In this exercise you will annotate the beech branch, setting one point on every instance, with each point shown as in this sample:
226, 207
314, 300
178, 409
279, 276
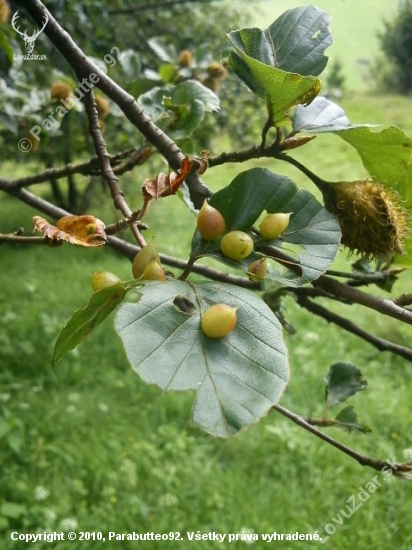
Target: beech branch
106, 168
379, 343
155, 6
400, 470
84, 67
132, 157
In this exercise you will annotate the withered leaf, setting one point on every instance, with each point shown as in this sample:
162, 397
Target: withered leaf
164, 185
81, 230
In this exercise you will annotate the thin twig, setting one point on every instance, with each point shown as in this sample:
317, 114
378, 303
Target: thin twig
401, 470
346, 292
12, 238
88, 168
86, 68
379, 343
357, 278
154, 6
107, 172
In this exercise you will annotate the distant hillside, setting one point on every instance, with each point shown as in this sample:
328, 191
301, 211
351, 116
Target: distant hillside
354, 24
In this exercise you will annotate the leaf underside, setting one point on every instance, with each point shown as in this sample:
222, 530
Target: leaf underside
238, 378
311, 239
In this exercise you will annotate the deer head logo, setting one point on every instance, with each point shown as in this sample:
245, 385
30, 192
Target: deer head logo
29, 41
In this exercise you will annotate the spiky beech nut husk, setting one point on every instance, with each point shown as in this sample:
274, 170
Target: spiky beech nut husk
154, 271
274, 225
185, 58
372, 221
59, 90
210, 222
4, 11
103, 279
143, 258
257, 269
216, 70
218, 320
102, 106
236, 245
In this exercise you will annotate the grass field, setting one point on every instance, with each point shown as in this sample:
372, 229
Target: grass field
354, 25
87, 446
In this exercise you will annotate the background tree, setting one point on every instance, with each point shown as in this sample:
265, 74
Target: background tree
392, 69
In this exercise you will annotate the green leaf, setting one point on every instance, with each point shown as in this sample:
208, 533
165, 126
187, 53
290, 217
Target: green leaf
130, 63
386, 155
190, 90
321, 116
164, 52
281, 89
9, 122
189, 101
85, 320
238, 378
186, 118
152, 102
342, 381
167, 72
312, 237
6, 47
299, 38
348, 420
279, 63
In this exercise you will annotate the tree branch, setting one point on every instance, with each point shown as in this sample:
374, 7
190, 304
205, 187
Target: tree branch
86, 68
379, 343
353, 295
88, 168
155, 6
106, 168
130, 250
400, 470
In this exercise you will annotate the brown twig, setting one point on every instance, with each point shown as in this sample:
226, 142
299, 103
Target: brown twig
379, 343
84, 67
153, 6
359, 279
353, 295
88, 168
400, 470
106, 168
12, 238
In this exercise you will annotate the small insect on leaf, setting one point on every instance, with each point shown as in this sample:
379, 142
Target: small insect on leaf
81, 230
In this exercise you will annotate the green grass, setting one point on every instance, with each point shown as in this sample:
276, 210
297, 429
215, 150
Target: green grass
87, 446
354, 25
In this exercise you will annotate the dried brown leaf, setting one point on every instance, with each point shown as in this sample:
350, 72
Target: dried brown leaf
81, 230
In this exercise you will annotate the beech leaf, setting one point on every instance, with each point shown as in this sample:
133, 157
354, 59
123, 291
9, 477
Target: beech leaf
311, 239
342, 381
164, 185
238, 378
81, 230
85, 320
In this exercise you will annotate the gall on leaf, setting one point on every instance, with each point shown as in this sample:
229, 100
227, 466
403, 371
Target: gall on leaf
81, 230
164, 185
